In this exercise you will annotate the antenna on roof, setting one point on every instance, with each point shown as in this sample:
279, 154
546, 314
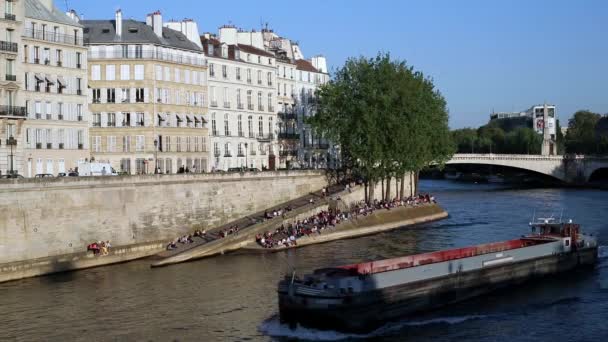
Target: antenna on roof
67, 7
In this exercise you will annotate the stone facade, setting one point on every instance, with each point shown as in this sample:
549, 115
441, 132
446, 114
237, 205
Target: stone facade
12, 110
55, 80
147, 99
43, 218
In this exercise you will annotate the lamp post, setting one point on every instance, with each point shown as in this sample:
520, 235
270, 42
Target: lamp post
11, 141
155, 156
246, 153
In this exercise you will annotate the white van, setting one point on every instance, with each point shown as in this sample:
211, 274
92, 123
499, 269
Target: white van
94, 169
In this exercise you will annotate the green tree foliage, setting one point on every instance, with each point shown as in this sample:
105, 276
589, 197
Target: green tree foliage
387, 118
493, 139
581, 135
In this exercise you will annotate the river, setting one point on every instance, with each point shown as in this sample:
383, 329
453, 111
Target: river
233, 298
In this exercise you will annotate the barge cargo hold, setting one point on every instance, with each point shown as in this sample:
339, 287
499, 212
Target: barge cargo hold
361, 297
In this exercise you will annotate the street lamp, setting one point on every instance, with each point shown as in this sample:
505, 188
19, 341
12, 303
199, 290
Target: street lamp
155, 156
246, 159
11, 141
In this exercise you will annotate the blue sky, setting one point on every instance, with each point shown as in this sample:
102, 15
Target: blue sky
482, 55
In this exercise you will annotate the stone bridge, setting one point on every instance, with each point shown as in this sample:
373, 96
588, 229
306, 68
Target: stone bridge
569, 169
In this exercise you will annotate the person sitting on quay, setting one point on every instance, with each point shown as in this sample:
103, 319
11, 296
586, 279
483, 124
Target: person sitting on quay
171, 246
94, 247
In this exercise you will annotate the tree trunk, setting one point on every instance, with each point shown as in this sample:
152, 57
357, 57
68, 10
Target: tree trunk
411, 184
387, 196
372, 186
366, 194
402, 194
383, 191
397, 187
417, 181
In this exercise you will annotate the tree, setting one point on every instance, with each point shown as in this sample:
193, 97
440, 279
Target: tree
580, 138
387, 118
465, 140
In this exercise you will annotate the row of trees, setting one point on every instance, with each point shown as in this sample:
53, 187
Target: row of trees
587, 133
387, 118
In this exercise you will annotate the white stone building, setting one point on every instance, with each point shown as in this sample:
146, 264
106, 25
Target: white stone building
242, 100
55, 82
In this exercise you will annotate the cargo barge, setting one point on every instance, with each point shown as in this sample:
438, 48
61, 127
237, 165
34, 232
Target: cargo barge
361, 297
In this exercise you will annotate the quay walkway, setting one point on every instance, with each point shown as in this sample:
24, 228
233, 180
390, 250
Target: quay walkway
248, 227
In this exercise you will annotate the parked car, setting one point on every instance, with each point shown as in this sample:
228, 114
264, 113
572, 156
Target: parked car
44, 175
87, 169
73, 174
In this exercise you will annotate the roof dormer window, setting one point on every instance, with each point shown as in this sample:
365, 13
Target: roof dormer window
224, 51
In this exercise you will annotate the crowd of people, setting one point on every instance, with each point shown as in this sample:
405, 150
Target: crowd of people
100, 247
287, 236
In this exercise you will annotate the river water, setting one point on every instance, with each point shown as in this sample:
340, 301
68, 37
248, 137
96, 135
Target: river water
233, 298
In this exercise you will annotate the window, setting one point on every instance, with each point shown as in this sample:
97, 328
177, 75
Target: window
178, 144
249, 100
260, 105
211, 70
78, 60
213, 125
270, 106
111, 95
167, 74
227, 152
238, 74
110, 72
250, 126
270, 126
111, 144
259, 76
125, 51
260, 126
248, 75
224, 71
140, 119
239, 102
240, 125
96, 95
240, 150
216, 149
96, 144
139, 51
96, 72
139, 95
126, 143
125, 95
125, 72
140, 143
168, 144
226, 126
139, 72
177, 77
203, 144
269, 77
111, 119
96, 120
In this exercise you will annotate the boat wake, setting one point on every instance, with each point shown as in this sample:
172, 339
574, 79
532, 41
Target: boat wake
602, 252
273, 327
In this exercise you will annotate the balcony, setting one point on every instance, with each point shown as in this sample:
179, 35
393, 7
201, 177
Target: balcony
38, 146
227, 155
49, 146
59, 63
13, 111
8, 46
240, 106
61, 146
96, 124
271, 109
47, 62
262, 137
111, 123
250, 106
217, 154
79, 117
241, 154
10, 16
286, 116
260, 108
49, 117
12, 78
288, 153
213, 104
60, 117
154, 55
289, 136
79, 92
53, 37
253, 153
80, 146
226, 104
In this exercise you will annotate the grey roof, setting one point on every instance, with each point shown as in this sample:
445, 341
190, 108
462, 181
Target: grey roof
134, 32
36, 10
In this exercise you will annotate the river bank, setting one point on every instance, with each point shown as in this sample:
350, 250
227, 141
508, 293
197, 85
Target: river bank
373, 223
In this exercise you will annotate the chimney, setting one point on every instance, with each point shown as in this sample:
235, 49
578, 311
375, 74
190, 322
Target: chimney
157, 23
73, 15
119, 23
228, 34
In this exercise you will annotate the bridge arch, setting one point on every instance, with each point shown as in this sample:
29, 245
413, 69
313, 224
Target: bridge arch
599, 175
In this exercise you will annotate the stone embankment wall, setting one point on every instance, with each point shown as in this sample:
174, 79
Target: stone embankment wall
47, 218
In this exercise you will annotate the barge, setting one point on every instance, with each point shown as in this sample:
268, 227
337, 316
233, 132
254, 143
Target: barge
361, 297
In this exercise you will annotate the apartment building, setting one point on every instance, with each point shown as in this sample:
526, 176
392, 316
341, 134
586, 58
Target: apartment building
148, 89
12, 109
54, 73
242, 100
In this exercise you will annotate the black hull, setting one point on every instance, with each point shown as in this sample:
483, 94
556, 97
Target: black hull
370, 310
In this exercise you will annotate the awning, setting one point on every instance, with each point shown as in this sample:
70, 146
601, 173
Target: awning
196, 119
179, 118
188, 118
203, 119
50, 80
160, 117
61, 81
39, 78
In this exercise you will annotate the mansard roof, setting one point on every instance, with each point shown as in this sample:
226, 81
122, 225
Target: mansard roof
134, 32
